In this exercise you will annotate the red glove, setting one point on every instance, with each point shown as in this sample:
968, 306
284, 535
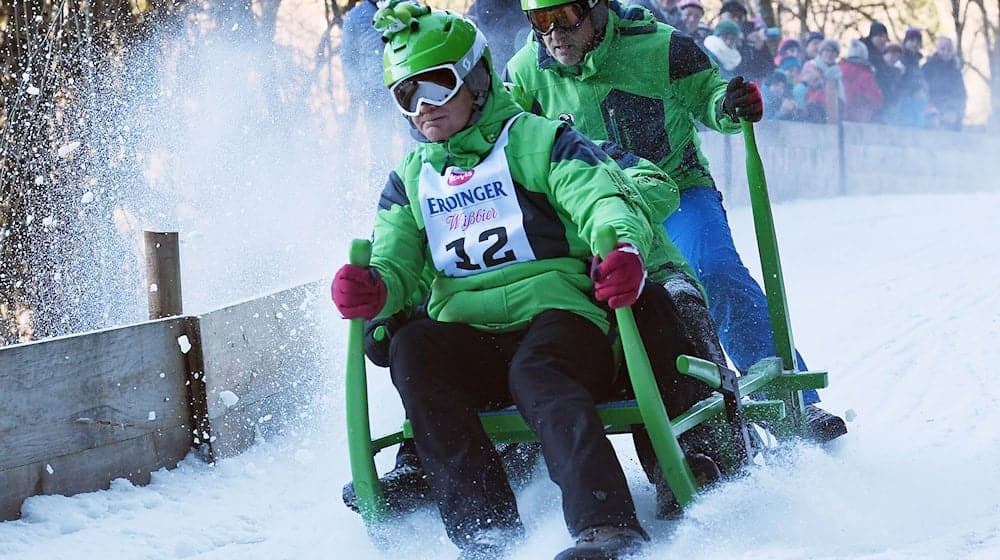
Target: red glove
743, 100
358, 292
619, 278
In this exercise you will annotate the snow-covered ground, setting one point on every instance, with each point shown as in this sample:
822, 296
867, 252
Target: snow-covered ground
895, 296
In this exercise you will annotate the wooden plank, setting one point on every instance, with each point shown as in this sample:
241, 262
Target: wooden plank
266, 353
66, 395
93, 469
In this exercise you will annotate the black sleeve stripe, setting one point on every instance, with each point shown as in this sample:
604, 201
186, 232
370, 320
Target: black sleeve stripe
622, 157
686, 57
536, 108
393, 193
570, 144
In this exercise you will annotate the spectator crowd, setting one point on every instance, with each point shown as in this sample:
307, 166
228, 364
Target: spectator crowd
812, 79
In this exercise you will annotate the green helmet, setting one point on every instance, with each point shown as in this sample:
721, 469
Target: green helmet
539, 4
418, 38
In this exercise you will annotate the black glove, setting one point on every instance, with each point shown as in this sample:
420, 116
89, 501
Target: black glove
378, 350
743, 100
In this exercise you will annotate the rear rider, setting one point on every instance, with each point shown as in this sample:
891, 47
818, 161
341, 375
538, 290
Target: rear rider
618, 75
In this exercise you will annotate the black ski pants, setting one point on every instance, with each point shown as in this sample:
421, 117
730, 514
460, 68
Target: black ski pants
553, 371
671, 323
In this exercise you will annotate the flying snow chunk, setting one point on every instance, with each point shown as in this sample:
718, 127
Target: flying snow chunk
850, 415
67, 149
184, 343
48, 221
32, 90
153, 288
304, 457
152, 415
229, 398
48, 468
87, 197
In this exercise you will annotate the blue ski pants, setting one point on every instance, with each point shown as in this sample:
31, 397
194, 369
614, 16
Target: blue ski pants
736, 301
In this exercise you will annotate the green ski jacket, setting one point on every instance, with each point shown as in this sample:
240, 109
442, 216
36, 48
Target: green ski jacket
566, 188
642, 87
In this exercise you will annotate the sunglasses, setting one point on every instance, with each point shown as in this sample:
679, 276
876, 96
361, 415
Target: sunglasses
568, 17
434, 86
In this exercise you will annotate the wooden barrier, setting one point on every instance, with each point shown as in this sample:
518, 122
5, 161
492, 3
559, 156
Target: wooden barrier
80, 411
260, 367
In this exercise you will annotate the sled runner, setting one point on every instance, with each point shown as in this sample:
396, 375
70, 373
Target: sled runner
776, 378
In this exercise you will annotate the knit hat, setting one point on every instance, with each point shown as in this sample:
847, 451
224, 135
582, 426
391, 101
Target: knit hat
830, 44
914, 33
788, 44
878, 28
691, 4
789, 62
894, 47
816, 36
733, 7
727, 27
857, 50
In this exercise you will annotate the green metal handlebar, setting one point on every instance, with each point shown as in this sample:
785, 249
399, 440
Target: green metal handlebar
647, 394
359, 435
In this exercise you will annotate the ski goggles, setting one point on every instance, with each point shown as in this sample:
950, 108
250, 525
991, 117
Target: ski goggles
434, 86
568, 17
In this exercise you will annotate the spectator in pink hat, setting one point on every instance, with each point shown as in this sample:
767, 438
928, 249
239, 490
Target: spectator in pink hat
788, 47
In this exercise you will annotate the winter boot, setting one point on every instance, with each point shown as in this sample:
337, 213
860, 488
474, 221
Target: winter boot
606, 542
823, 425
405, 487
492, 543
705, 471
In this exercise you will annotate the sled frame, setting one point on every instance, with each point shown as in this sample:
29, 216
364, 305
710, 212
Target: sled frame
776, 378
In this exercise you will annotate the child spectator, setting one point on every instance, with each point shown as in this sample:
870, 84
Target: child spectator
812, 44
943, 72
790, 66
863, 98
810, 94
778, 102
723, 46
788, 47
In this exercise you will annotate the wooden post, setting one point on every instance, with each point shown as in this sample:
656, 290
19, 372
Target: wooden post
163, 274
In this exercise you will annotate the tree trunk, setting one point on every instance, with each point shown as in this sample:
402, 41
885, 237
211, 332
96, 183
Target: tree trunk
766, 10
